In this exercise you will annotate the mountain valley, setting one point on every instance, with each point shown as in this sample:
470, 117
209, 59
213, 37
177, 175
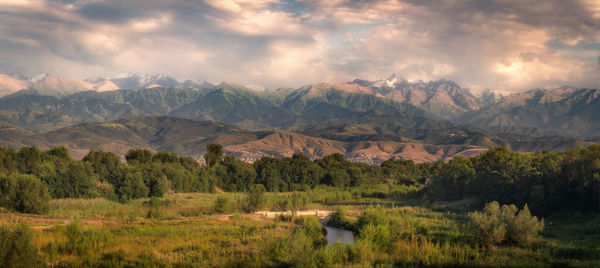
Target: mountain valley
365, 121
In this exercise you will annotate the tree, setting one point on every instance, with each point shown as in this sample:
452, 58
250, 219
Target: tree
401, 171
500, 175
28, 159
235, 175
166, 157
140, 156
582, 171
60, 152
132, 187
214, 153
268, 173
301, 172
451, 183
337, 177
24, 193
106, 165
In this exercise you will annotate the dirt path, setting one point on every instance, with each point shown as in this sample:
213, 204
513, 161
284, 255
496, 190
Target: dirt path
41, 222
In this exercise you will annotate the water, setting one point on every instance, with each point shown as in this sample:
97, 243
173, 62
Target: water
338, 235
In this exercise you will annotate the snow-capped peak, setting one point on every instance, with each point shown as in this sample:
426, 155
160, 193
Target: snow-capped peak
38, 78
390, 81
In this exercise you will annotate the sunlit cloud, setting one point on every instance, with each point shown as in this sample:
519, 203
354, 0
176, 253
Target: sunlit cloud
502, 45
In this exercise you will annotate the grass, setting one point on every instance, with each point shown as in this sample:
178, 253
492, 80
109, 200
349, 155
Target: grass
181, 230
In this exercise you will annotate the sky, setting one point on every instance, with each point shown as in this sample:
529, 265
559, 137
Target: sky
507, 45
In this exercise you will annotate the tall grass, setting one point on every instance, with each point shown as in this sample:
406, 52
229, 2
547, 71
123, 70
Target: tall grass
183, 230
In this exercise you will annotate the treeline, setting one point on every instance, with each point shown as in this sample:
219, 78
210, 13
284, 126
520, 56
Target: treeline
545, 181
29, 177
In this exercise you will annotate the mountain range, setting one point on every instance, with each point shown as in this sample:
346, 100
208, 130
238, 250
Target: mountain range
367, 121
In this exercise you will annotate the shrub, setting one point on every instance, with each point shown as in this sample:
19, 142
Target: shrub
490, 227
314, 231
374, 216
80, 241
374, 228
338, 219
495, 225
17, 248
524, 228
378, 236
256, 198
222, 205
24, 193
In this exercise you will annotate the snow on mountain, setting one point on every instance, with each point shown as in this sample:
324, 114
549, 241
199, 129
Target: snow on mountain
10, 83
442, 98
137, 81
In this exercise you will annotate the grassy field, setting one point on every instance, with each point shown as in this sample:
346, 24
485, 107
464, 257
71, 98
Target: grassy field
181, 230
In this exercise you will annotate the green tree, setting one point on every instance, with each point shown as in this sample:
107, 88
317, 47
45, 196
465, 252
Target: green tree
235, 175
166, 157
60, 152
132, 186
214, 153
337, 177
106, 165
268, 173
501, 175
138, 156
24, 193
582, 172
28, 159
452, 180
301, 173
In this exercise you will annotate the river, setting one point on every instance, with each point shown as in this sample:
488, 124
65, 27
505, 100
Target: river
338, 235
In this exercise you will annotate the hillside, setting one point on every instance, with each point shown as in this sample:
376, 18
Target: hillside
571, 111
188, 137
285, 144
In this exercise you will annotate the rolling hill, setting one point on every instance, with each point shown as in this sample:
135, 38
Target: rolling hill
188, 137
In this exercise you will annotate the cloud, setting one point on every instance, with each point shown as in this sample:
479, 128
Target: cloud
506, 45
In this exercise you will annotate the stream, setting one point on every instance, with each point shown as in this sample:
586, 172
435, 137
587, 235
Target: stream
338, 235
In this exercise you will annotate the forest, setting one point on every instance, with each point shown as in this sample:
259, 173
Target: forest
483, 210
546, 181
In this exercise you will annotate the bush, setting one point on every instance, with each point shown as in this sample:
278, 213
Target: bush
338, 219
222, 205
378, 236
314, 231
495, 225
374, 216
80, 241
24, 193
525, 228
17, 248
374, 228
256, 198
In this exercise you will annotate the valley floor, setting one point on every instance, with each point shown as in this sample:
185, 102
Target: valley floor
183, 230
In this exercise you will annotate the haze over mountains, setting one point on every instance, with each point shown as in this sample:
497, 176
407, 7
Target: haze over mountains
368, 121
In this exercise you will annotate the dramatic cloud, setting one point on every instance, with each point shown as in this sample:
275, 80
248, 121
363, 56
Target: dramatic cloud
502, 45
